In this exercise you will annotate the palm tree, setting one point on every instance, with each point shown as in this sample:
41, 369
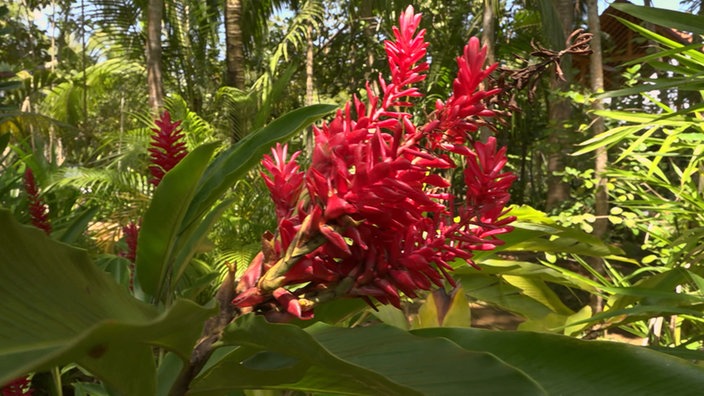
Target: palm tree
601, 198
155, 10
489, 29
234, 57
559, 112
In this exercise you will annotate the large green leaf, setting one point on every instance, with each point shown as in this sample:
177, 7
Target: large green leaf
162, 221
377, 360
234, 162
568, 366
442, 309
57, 308
535, 231
497, 291
668, 18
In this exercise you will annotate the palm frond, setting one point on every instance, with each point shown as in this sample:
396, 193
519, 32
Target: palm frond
196, 129
104, 184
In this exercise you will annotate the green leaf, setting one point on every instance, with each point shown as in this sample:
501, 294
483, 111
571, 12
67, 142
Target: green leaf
571, 324
282, 356
655, 289
495, 290
538, 290
379, 360
188, 244
77, 226
608, 138
391, 316
668, 18
686, 82
234, 162
568, 366
338, 310
162, 221
169, 369
432, 367
530, 271
4, 140
538, 233
57, 308
441, 309
695, 58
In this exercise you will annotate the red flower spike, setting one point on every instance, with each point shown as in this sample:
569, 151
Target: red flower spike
284, 180
38, 210
131, 233
453, 121
167, 147
18, 387
372, 215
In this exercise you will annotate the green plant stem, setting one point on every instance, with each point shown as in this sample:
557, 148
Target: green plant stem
56, 376
212, 331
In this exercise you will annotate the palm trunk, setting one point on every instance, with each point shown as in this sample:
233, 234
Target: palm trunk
596, 76
366, 15
488, 39
559, 112
234, 45
489, 31
310, 88
155, 11
310, 84
596, 73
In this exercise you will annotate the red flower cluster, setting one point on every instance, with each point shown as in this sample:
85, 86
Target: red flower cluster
166, 151
38, 211
167, 147
18, 387
372, 217
131, 233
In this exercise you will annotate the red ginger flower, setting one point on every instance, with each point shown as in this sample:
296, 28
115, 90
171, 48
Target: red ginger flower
131, 233
167, 147
452, 122
371, 217
18, 387
38, 211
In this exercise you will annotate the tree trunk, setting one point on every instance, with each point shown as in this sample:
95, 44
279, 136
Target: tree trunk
155, 10
559, 112
596, 73
234, 57
489, 31
310, 88
366, 16
310, 85
596, 77
488, 40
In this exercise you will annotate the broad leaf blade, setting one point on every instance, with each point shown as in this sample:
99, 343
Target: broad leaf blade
234, 162
283, 356
668, 18
58, 307
163, 219
568, 366
430, 366
377, 360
